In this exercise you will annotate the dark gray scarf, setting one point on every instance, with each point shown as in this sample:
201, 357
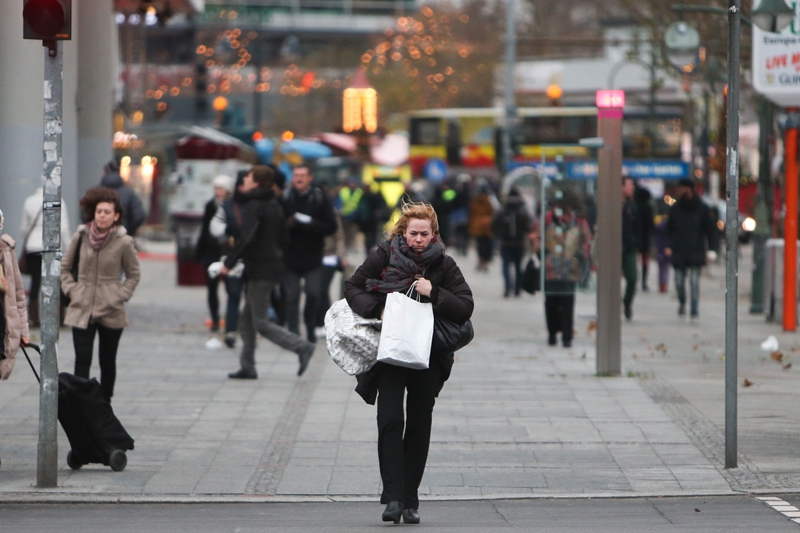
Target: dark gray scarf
405, 265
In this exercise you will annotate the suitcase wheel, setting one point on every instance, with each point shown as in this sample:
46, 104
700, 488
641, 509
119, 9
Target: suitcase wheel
72, 461
117, 460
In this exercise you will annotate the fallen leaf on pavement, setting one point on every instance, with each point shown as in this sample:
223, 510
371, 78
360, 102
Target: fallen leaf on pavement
592, 326
695, 347
747, 382
787, 366
696, 510
777, 355
661, 347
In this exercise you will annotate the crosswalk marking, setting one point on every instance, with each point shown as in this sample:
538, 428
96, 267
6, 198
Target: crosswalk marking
785, 508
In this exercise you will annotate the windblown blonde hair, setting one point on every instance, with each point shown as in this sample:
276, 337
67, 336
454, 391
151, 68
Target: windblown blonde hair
418, 210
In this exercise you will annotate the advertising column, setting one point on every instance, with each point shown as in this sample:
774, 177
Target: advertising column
776, 75
609, 231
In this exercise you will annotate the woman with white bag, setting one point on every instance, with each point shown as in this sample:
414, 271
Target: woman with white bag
413, 253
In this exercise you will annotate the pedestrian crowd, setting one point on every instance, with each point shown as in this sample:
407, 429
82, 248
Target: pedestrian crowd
277, 241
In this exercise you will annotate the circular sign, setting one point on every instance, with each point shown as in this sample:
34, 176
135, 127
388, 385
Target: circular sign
435, 170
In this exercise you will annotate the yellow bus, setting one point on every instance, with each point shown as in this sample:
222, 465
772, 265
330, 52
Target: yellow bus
469, 137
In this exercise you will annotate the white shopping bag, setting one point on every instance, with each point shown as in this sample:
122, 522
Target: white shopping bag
407, 331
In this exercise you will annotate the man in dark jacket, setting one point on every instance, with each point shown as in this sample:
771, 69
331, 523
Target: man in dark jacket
132, 209
690, 230
511, 225
631, 238
261, 248
310, 218
642, 198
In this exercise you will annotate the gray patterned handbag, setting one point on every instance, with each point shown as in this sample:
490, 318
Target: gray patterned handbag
352, 339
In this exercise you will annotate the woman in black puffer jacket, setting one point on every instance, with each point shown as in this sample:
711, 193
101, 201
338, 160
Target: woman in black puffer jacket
413, 253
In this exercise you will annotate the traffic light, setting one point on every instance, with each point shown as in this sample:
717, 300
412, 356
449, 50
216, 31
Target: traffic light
47, 20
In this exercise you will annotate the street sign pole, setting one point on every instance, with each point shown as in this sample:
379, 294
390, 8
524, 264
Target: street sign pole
47, 457
732, 237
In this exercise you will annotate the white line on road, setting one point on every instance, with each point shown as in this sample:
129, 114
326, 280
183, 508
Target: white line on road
785, 508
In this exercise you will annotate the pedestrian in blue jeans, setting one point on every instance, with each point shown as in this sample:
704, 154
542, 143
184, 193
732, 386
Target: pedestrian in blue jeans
512, 224
690, 230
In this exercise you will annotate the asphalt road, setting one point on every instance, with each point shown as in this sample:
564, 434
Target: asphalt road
639, 515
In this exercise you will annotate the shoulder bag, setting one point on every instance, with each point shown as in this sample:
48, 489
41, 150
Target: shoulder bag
352, 340
449, 337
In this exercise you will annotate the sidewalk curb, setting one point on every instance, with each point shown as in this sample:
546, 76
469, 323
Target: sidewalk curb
61, 498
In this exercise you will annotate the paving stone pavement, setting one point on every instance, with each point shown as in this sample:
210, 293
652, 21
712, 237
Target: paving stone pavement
517, 418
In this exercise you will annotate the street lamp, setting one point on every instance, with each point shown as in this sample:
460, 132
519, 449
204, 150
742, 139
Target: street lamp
682, 42
772, 15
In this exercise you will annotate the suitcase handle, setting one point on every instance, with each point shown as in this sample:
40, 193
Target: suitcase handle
39, 350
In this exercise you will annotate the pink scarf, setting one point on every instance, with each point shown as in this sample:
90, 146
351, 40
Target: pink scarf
96, 239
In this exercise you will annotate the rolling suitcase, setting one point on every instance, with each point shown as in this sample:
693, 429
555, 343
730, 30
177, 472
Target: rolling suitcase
95, 434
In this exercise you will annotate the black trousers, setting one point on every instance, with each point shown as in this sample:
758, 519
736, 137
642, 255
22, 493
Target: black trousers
559, 310
312, 287
35, 264
83, 341
325, 293
402, 454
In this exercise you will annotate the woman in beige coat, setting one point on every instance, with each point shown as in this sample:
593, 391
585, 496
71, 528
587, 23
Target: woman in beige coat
14, 315
97, 298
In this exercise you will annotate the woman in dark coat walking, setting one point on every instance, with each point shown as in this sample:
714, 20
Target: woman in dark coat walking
413, 253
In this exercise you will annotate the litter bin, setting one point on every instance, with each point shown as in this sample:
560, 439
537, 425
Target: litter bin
773, 279
187, 234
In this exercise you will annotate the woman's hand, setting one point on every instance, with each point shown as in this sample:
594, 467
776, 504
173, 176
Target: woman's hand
424, 287
25, 341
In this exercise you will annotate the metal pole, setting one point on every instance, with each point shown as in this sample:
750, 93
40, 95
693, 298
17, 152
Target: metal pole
47, 457
511, 60
732, 237
790, 233
542, 221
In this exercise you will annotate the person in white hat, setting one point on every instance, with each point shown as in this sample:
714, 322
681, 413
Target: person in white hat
210, 249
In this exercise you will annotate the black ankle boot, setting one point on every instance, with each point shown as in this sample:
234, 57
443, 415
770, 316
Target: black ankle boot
392, 512
411, 516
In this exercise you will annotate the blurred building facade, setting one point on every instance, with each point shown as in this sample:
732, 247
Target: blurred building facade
277, 64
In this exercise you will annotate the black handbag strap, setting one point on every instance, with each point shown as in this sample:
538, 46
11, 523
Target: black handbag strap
77, 260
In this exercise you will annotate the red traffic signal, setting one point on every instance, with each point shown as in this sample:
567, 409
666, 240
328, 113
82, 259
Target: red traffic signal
47, 20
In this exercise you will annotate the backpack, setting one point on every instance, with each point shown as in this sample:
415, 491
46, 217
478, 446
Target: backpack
508, 226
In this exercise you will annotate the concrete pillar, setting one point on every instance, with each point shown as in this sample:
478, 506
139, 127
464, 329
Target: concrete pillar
21, 116
98, 51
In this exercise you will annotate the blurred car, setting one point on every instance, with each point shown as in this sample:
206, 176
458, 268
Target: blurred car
747, 224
